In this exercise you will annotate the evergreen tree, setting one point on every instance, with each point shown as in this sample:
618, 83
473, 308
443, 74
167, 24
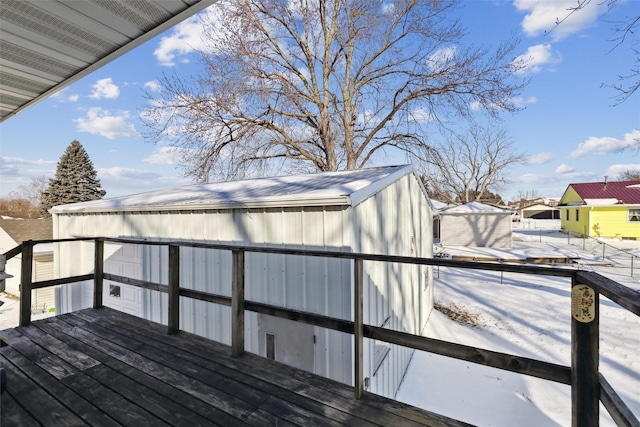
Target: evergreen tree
76, 180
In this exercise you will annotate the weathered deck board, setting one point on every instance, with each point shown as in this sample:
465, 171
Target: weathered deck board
105, 368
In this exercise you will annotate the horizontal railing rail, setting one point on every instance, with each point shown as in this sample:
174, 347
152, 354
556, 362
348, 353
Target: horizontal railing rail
588, 385
13, 252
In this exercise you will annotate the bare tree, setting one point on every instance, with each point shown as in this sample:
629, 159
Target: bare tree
629, 175
32, 191
466, 167
531, 194
18, 208
325, 85
25, 201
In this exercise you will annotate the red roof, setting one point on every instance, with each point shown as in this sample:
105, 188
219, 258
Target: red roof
626, 192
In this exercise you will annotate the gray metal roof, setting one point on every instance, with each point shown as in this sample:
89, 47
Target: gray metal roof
46, 45
346, 188
475, 208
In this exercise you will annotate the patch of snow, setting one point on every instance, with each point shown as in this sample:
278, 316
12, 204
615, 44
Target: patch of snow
527, 316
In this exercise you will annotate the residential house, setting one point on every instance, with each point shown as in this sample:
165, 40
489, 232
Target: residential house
602, 209
12, 233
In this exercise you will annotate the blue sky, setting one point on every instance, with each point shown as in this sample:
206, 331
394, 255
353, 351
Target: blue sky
569, 130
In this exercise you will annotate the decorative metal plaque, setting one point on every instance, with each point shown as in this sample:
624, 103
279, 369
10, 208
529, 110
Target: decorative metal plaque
583, 300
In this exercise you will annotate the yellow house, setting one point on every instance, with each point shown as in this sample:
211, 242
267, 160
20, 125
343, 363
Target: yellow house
602, 209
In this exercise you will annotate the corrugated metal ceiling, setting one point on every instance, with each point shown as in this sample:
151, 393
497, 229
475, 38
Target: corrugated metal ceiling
46, 45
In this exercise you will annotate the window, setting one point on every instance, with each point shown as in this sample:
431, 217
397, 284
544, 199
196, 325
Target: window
114, 291
634, 215
271, 346
577, 215
381, 351
567, 215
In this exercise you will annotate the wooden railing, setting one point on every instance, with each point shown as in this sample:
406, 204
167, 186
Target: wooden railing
588, 385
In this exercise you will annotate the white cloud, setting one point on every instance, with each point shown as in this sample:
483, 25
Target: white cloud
7, 170
542, 15
198, 33
165, 156
153, 86
441, 58
184, 38
553, 178
19, 160
421, 115
118, 173
105, 89
101, 122
368, 118
564, 169
521, 102
61, 95
16, 171
607, 144
614, 171
534, 59
540, 158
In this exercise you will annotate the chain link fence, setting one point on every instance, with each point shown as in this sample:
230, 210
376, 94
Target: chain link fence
612, 257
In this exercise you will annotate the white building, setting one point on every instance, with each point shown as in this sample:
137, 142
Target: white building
475, 224
379, 210
14, 231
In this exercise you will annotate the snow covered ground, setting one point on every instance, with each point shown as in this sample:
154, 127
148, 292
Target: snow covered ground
527, 316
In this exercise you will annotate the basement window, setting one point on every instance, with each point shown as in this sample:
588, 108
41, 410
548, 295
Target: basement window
271, 346
114, 291
381, 350
634, 215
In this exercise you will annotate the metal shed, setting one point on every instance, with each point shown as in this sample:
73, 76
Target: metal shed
475, 224
379, 210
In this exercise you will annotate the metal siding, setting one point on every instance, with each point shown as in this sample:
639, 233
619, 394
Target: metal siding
384, 223
613, 221
482, 230
395, 221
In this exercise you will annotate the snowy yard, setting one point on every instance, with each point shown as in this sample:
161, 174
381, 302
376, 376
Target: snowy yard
527, 316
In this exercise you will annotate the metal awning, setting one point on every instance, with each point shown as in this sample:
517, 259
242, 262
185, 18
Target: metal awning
46, 45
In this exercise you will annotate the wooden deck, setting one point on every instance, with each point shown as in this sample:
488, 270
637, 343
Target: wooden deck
106, 368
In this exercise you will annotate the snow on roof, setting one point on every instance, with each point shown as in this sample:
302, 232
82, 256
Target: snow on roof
601, 202
538, 206
329, 188
476, 208
438, 205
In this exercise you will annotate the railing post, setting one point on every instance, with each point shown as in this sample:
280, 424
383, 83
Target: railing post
358, 335
98, 274
237, 303
25, 283
174, 290
585, 381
